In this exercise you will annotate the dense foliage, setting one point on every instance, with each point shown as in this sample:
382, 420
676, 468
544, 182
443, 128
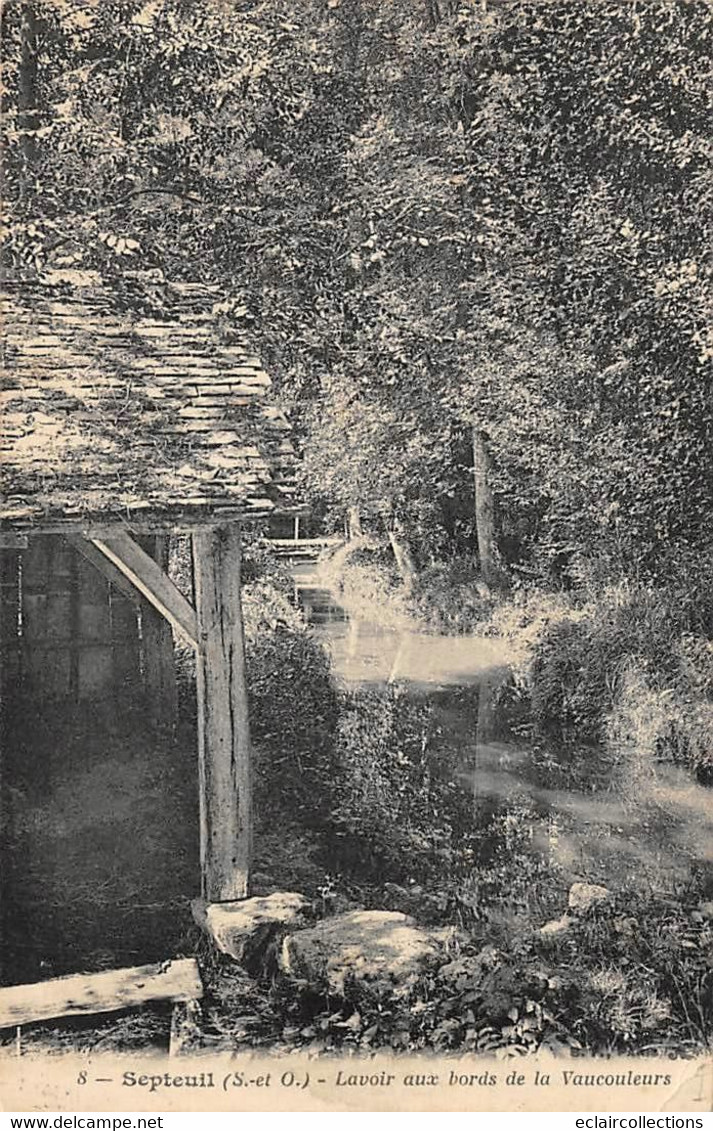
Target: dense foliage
431, 216
633, 672
293, 708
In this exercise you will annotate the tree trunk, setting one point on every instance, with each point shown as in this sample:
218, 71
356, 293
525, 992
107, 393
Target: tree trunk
402, 553
492, 574
27, 92
354, 523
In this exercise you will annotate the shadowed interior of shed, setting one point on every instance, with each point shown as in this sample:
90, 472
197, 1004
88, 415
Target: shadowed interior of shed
100, 843
99, 816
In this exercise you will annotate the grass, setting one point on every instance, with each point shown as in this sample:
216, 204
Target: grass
449, 598
629, 672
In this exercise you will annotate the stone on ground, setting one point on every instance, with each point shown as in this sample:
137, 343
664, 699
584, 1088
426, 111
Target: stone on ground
244, 927
383, 947
582, 897
557, 926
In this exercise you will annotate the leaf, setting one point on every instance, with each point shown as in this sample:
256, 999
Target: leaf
352, 1023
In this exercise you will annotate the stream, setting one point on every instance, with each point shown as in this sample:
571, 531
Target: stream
641, 827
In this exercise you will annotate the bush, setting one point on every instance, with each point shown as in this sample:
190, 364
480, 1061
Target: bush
450, 598
386, 816
569, 680
629, 672
447, 597
293, 707
260, 563
501, 878
363, 576
649, 722
293, 702
526, 616
578, 664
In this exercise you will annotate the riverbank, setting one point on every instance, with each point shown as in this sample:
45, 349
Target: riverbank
626, 665
445, 598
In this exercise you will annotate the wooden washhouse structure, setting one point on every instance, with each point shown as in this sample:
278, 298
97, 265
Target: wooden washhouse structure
132, 413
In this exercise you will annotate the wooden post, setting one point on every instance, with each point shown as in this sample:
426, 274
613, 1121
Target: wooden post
223, 735
185, 1028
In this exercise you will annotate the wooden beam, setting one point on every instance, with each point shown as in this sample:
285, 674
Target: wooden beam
151, 581
306, 543
100, 993
177, 521
223, 733
107, 568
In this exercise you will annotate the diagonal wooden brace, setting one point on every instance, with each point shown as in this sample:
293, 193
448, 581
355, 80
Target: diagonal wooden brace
151, 581
108, 570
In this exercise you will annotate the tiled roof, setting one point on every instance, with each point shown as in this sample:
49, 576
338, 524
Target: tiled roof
115, 413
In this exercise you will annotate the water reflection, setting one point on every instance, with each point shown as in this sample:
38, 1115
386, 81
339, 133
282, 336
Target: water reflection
365, 653
594, 824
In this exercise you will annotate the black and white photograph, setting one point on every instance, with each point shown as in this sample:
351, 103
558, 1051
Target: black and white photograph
356, 551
